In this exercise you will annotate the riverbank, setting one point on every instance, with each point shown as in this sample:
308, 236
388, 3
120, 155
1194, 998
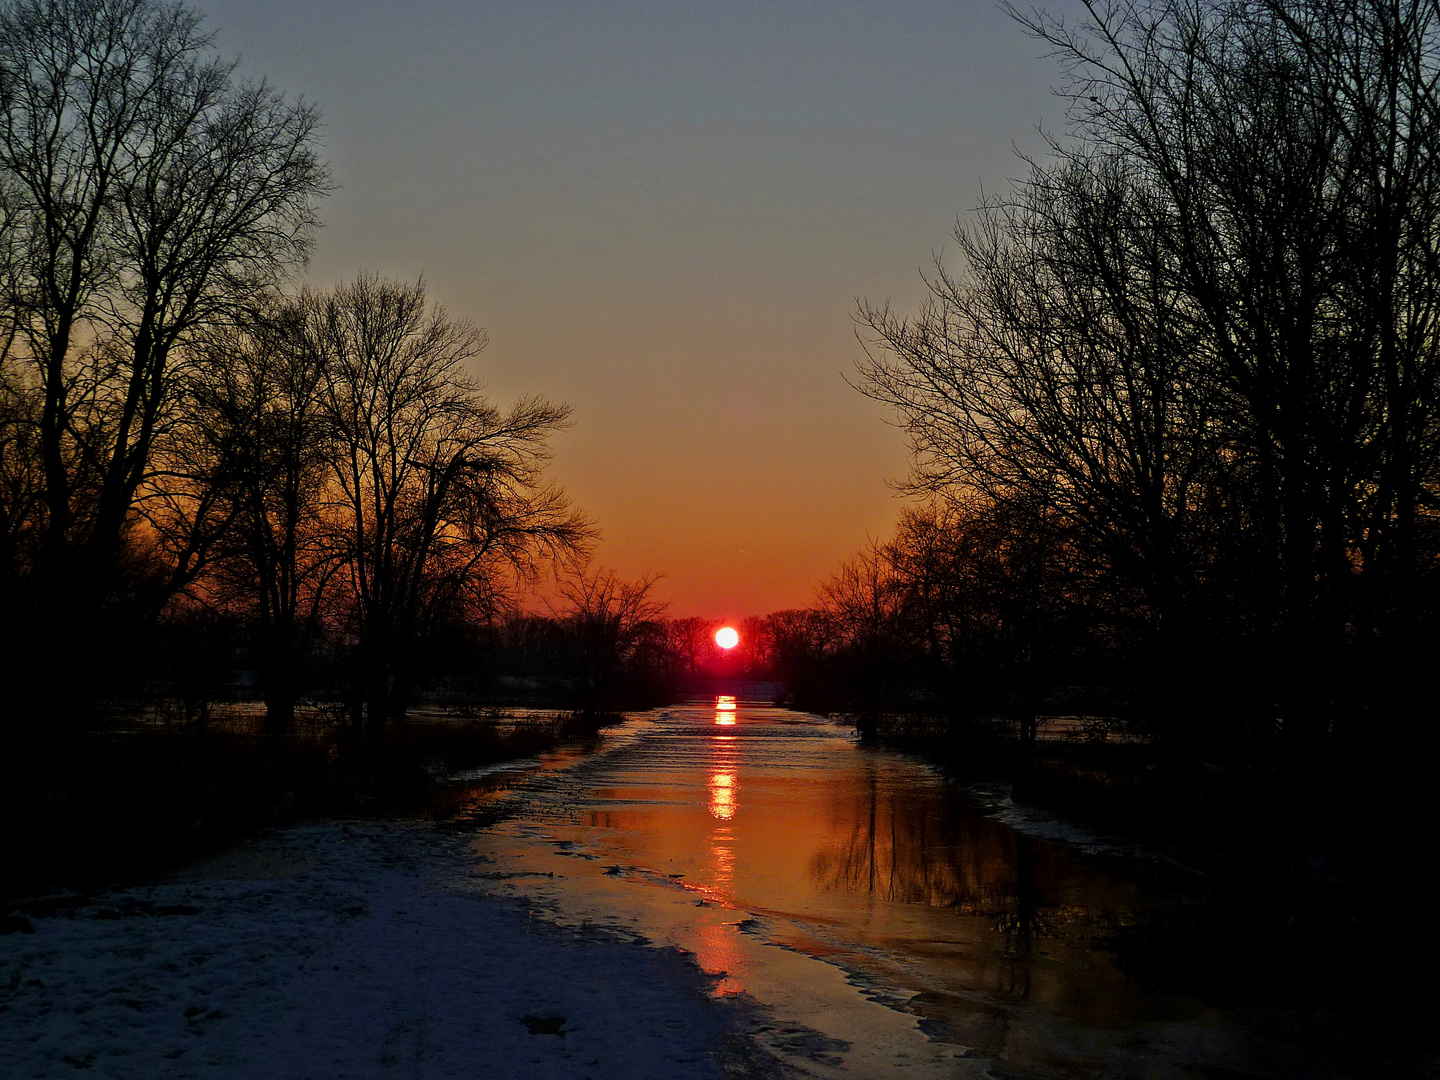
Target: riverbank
1334, 842
133, 799
348, 949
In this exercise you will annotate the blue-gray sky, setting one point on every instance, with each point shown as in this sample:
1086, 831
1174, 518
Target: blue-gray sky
663, 214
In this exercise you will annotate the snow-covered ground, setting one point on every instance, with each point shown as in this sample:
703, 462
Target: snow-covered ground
336, 950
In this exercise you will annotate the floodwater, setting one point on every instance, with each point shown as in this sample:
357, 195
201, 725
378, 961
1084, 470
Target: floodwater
892, 925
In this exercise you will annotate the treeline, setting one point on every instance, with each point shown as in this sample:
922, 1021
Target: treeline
370, 497
213, 486
198, 469
1177, 416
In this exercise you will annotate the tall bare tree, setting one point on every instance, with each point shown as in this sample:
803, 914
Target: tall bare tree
1064, 369
256, 406
1204, 332
148, 193
437, 493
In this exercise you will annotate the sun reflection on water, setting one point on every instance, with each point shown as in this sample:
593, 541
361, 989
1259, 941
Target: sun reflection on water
716, 946
725, 710
878, 863
724, 791
718, 954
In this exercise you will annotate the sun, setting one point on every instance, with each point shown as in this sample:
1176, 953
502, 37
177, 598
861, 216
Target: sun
726, 637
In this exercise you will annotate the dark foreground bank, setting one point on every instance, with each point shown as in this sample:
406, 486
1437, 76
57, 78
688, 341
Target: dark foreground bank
110, 806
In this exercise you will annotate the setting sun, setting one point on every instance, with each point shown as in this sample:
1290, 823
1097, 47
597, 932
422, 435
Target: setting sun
726, 637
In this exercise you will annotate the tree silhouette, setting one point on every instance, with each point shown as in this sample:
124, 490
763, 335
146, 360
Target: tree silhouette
434, 490
1203, 337
147, 194
606, 623
257, 405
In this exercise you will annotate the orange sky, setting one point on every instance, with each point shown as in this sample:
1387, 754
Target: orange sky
663, 214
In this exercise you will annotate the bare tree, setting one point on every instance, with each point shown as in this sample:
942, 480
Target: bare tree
606, 622
1204, 333
691, 639
756, 644
869, 612
1063, 370
255, 406
437, 493
800, 642
148, 194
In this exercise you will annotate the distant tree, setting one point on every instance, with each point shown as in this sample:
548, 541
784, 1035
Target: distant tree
608, 625
146, 194
870, 614
755, 645
691, 638
998, 596
801, 644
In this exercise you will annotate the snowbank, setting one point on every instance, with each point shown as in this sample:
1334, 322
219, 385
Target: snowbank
339, 950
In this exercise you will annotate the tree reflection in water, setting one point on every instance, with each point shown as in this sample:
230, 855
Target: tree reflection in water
915, 845
926, 845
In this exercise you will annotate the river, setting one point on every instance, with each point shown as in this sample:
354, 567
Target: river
894, 923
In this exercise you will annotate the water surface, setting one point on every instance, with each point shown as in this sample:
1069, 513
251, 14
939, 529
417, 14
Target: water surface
890, 924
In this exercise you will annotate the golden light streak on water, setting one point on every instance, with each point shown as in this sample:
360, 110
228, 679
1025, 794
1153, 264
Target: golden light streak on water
725, 710
723, 795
